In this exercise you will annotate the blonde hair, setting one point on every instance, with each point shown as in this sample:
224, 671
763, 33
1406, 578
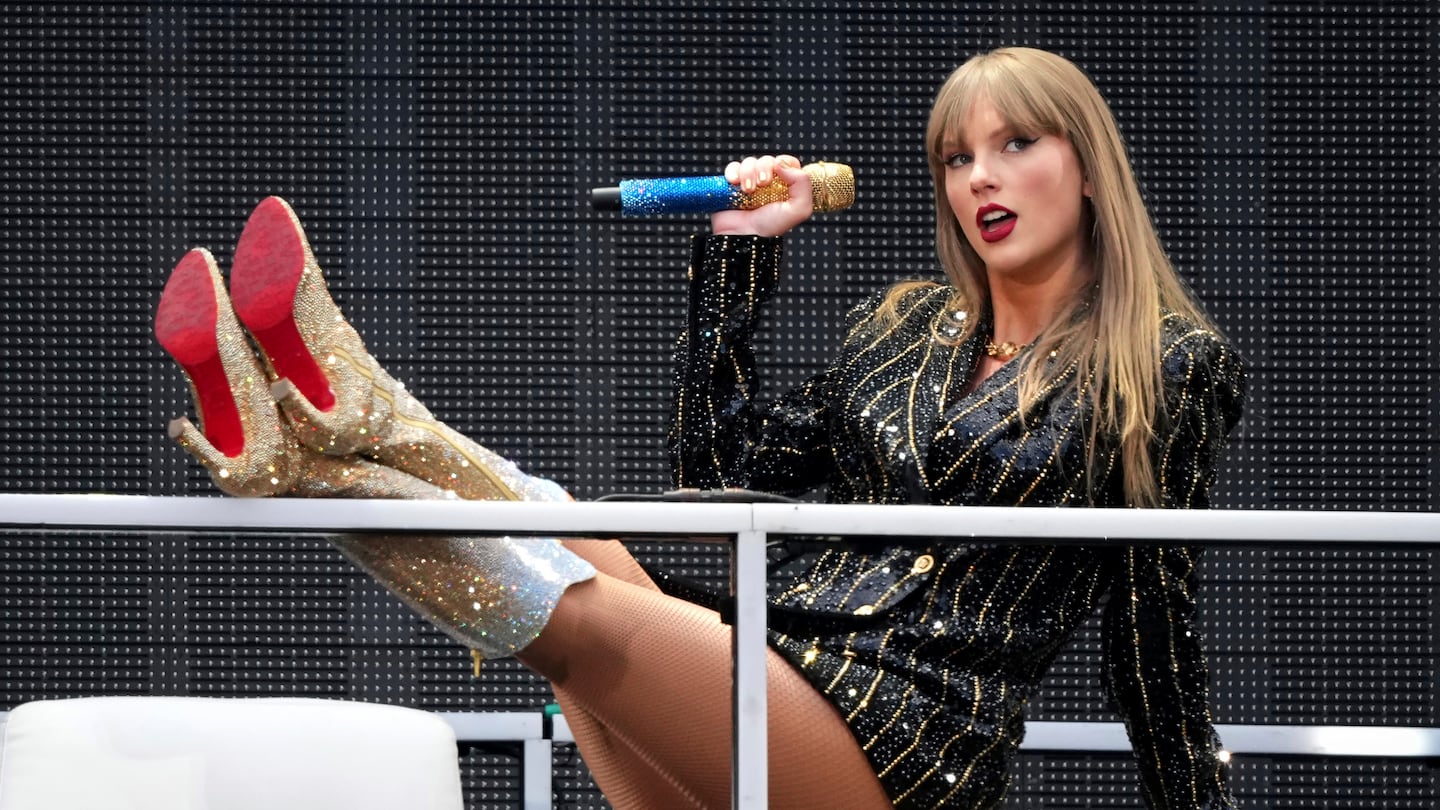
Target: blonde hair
1117, 339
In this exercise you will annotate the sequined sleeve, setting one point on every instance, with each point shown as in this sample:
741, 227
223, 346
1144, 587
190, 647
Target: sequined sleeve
1155, 665
719, 436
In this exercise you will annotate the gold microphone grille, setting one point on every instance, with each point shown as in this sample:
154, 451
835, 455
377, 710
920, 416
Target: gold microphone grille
832, 185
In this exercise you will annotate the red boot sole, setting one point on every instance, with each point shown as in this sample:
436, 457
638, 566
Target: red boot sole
269, 261
185, 327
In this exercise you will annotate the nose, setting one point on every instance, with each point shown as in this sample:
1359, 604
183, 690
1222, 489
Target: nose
982, 175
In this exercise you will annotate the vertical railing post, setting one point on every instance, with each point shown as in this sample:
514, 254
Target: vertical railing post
750, 774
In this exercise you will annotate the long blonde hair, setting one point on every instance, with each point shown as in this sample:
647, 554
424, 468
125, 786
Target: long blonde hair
1117, 339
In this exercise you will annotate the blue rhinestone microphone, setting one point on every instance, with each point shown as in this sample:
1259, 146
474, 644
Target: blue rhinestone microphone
832, 188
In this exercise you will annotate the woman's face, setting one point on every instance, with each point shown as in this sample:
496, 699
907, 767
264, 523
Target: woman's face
1018, 197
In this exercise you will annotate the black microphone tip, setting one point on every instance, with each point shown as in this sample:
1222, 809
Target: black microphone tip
605, 199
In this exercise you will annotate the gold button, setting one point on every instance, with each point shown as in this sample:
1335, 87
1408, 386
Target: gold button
802, 587
923, 563
864, 610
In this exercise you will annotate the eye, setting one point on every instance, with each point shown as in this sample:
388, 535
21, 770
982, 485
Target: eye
1018, 144
957, 160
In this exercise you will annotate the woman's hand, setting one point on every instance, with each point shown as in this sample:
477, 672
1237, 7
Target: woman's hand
775, 218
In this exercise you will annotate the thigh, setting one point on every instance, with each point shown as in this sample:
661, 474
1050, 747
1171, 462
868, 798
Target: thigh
655, 672
815, 760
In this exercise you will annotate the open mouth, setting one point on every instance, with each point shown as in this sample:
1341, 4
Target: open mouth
996, 222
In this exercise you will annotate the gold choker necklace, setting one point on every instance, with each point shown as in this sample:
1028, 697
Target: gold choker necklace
1004, 350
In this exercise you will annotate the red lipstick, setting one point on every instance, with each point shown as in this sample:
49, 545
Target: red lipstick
994, 228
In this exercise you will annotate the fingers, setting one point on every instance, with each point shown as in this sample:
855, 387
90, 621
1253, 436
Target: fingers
775, 218
757, 172
798, 181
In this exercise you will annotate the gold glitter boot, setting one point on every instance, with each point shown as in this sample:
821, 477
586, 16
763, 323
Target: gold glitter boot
339, 400
248, 449
491, 594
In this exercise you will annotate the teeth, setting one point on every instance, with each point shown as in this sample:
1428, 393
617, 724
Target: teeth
994, 216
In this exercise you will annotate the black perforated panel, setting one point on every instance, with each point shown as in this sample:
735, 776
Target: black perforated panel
439, 153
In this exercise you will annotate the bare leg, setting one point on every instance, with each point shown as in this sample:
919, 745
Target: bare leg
655, 673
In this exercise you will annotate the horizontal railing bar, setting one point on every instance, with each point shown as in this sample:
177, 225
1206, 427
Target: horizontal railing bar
1087, 525
1379, 742
170, 513
494, 726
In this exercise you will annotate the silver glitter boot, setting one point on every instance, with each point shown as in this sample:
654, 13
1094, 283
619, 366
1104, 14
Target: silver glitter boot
492, 594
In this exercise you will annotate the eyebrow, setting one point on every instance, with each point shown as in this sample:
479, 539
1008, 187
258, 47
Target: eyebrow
947, 143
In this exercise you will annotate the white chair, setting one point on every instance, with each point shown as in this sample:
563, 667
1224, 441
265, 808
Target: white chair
183, 753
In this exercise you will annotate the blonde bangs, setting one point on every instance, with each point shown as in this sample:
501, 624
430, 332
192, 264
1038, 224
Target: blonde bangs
1026, 106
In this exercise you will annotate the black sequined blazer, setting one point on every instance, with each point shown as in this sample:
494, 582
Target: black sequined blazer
930, 650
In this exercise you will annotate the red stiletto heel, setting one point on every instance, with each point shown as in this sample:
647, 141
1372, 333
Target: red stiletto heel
187, 326
272, 262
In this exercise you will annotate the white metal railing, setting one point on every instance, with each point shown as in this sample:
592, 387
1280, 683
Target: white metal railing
749, 525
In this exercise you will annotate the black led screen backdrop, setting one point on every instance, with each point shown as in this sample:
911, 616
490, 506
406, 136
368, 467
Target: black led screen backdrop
440, 154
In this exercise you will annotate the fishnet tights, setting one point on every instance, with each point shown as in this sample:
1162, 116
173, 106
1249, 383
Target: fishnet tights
627, 780
645, 682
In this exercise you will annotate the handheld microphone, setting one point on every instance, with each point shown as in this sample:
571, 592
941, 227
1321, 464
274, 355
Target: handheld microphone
832, 188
